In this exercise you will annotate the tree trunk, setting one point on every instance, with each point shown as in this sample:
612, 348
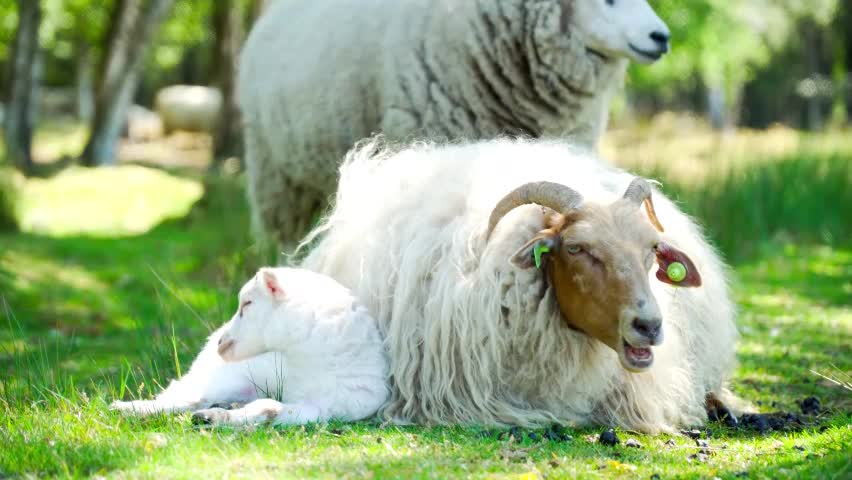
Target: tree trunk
812, 54
85, 87
130, 37
23, 87
716, 106
227, 20
257, 9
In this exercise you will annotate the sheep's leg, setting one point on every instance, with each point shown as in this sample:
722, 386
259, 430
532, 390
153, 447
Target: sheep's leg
283, 208
258, 412
718, 411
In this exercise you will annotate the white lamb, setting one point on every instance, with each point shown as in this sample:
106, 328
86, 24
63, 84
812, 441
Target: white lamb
515, 282
297, 335
317, 76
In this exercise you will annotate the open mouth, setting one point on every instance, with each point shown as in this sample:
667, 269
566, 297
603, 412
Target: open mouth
649, 54
636, 359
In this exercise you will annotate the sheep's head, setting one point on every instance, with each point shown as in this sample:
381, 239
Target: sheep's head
618, 28
260, 302
597, 258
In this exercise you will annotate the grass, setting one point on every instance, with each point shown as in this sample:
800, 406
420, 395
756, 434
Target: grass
104, 297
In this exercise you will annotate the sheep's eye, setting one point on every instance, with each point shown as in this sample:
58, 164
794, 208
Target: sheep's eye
243, 306
573, 249
610, 2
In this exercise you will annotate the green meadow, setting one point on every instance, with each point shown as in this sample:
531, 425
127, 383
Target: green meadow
115, 276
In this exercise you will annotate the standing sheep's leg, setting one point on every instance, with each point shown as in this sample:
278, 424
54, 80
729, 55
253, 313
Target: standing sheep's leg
260, 411
283, 208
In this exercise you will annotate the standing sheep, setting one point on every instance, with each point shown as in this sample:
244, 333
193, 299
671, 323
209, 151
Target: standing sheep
317, 76
497, 311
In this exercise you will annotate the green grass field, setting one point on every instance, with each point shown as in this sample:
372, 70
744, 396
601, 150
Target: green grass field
117, 276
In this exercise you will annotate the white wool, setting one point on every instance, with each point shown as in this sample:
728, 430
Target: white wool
327, 360
471, 338
317, 76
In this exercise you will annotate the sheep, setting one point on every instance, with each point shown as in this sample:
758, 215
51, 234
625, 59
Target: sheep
440, 243
296, 335
192, 108
315, 77
142, 125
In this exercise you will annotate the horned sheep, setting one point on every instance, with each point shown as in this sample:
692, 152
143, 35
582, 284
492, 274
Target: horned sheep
317, 76
296, 335
442, 243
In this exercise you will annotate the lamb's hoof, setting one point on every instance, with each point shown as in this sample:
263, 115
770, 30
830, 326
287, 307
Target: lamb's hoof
210, 416
717, 411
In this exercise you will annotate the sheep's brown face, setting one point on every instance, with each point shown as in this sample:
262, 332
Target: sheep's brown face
598, 263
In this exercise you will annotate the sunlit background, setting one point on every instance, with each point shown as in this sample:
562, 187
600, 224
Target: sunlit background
114, 268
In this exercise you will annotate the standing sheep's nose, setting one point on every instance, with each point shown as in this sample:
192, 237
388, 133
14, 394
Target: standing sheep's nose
661, 39
648, 328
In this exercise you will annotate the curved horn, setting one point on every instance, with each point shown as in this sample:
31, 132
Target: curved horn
547, 194
639, 192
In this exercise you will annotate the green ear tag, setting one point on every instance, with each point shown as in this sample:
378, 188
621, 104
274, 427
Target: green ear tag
676, 272
537, 251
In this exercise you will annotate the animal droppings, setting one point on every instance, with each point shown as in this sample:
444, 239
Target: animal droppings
608, 438
810, 406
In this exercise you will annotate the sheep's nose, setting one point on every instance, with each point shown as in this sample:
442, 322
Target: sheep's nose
648, 328
661, 39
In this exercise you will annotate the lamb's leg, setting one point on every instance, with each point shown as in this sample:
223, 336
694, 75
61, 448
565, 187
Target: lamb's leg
144, 408
209, 381
260, 411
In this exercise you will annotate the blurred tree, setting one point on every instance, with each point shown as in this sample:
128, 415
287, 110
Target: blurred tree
129, 36
257, 9
227, 24
23, 87
719, 46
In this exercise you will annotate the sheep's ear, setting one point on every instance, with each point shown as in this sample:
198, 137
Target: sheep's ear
270, 284
535, 252
684, 275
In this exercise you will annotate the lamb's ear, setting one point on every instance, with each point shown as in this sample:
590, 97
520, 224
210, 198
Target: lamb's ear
685, 275
270, 284
535, 252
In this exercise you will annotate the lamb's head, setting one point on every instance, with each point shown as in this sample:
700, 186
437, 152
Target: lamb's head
597, 258
619, 28
262, 307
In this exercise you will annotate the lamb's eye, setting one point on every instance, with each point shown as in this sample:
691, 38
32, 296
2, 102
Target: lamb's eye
243, 306
610, 2
573, 249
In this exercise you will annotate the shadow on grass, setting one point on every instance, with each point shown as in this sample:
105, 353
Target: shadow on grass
100, 299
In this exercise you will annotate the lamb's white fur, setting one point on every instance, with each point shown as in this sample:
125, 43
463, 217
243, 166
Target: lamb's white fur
317, 76
472, 338
326, 358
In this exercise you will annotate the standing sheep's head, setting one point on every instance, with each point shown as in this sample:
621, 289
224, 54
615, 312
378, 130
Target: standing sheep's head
597, 258
260, 310
618, 28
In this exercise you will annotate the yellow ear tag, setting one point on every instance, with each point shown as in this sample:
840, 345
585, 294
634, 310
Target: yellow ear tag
537, 251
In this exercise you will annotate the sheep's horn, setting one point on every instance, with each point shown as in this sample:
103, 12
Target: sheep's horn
638, 192
547, 194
